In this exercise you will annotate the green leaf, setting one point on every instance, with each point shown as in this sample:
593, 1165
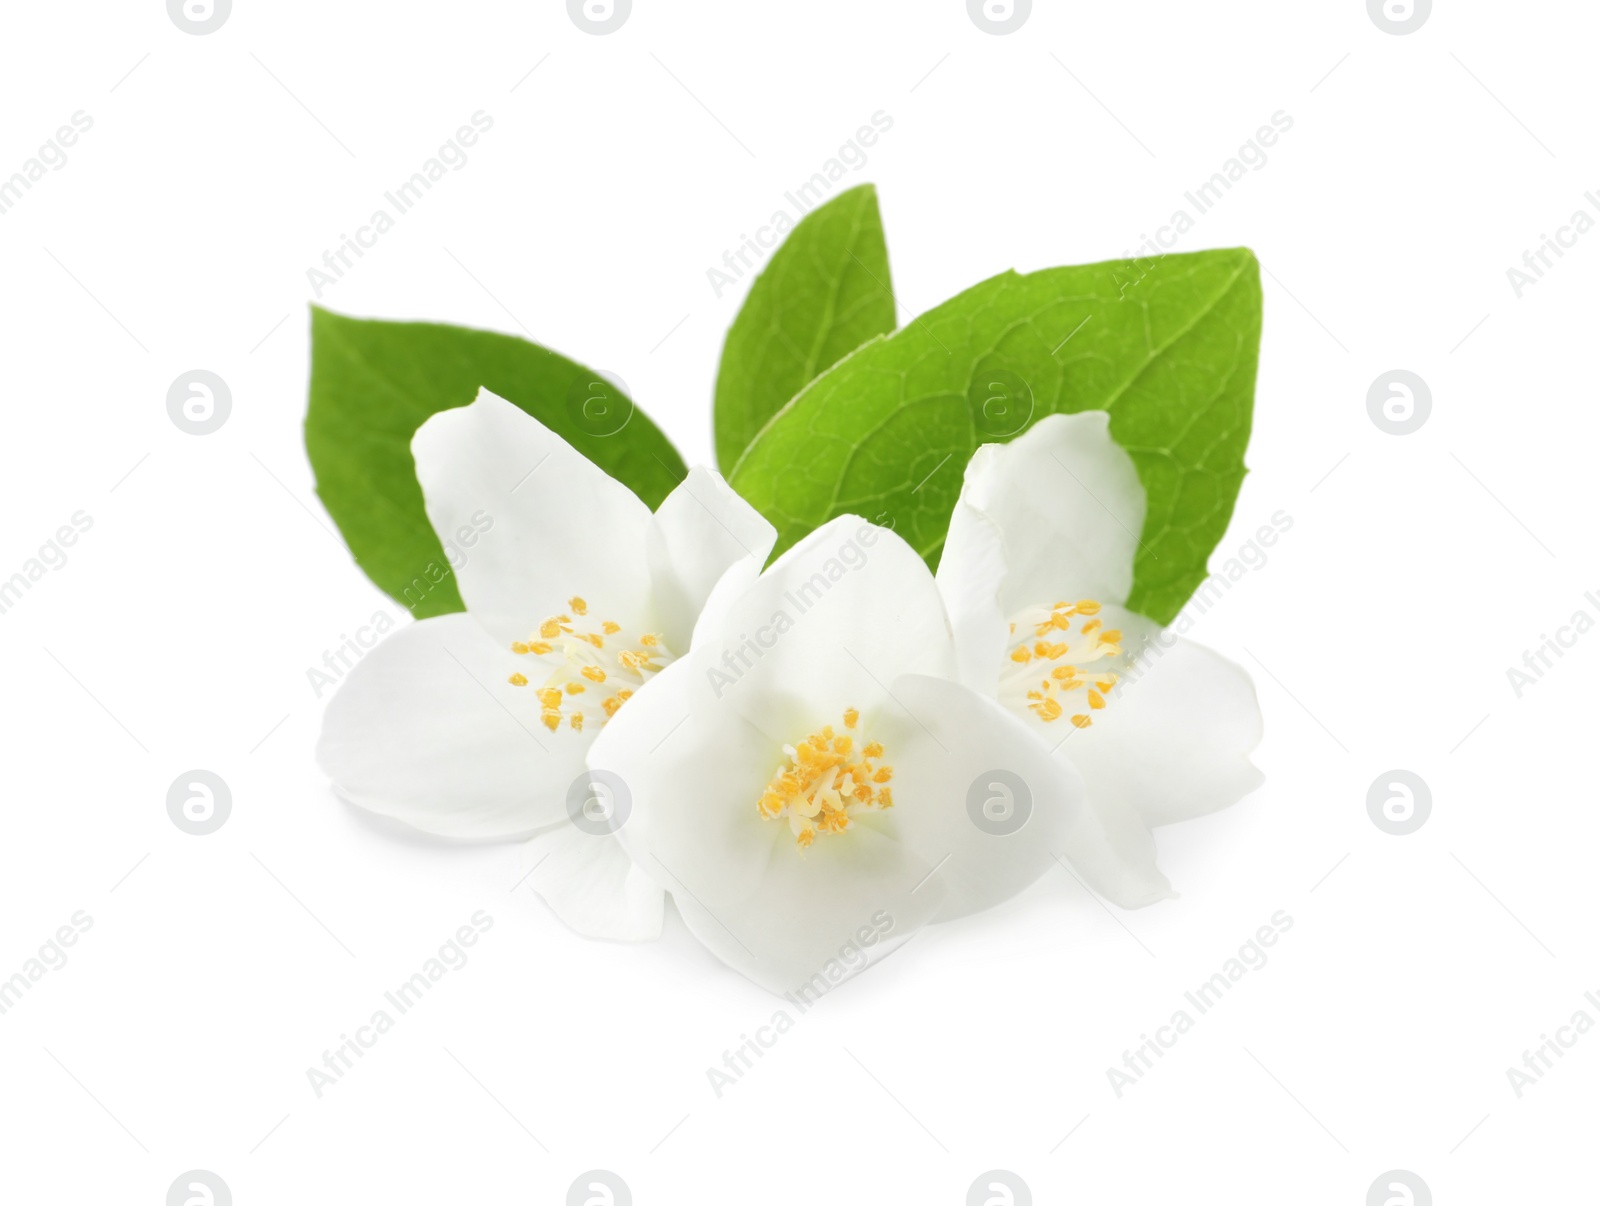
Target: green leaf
374, 383
825, 293
1168, 346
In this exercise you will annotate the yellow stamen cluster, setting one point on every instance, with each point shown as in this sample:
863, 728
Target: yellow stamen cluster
1063, 665
829, 778
585, 659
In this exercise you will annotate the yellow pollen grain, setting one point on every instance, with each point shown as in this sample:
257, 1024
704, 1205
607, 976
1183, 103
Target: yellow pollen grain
827, 781
1057, 696
1049, 709
518, 680
1059, 621
568, 694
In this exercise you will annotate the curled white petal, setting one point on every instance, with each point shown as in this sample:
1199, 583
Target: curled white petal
1069, 508
531, 520
972, 570
700, 530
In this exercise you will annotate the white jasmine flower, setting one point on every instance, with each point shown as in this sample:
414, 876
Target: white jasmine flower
476, 725
812, 784
1035, 571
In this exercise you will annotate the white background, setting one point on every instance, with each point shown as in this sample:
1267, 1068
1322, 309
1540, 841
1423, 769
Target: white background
178, 635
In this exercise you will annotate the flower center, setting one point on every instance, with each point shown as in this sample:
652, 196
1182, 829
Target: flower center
828, 780
592, 673
1064, 664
